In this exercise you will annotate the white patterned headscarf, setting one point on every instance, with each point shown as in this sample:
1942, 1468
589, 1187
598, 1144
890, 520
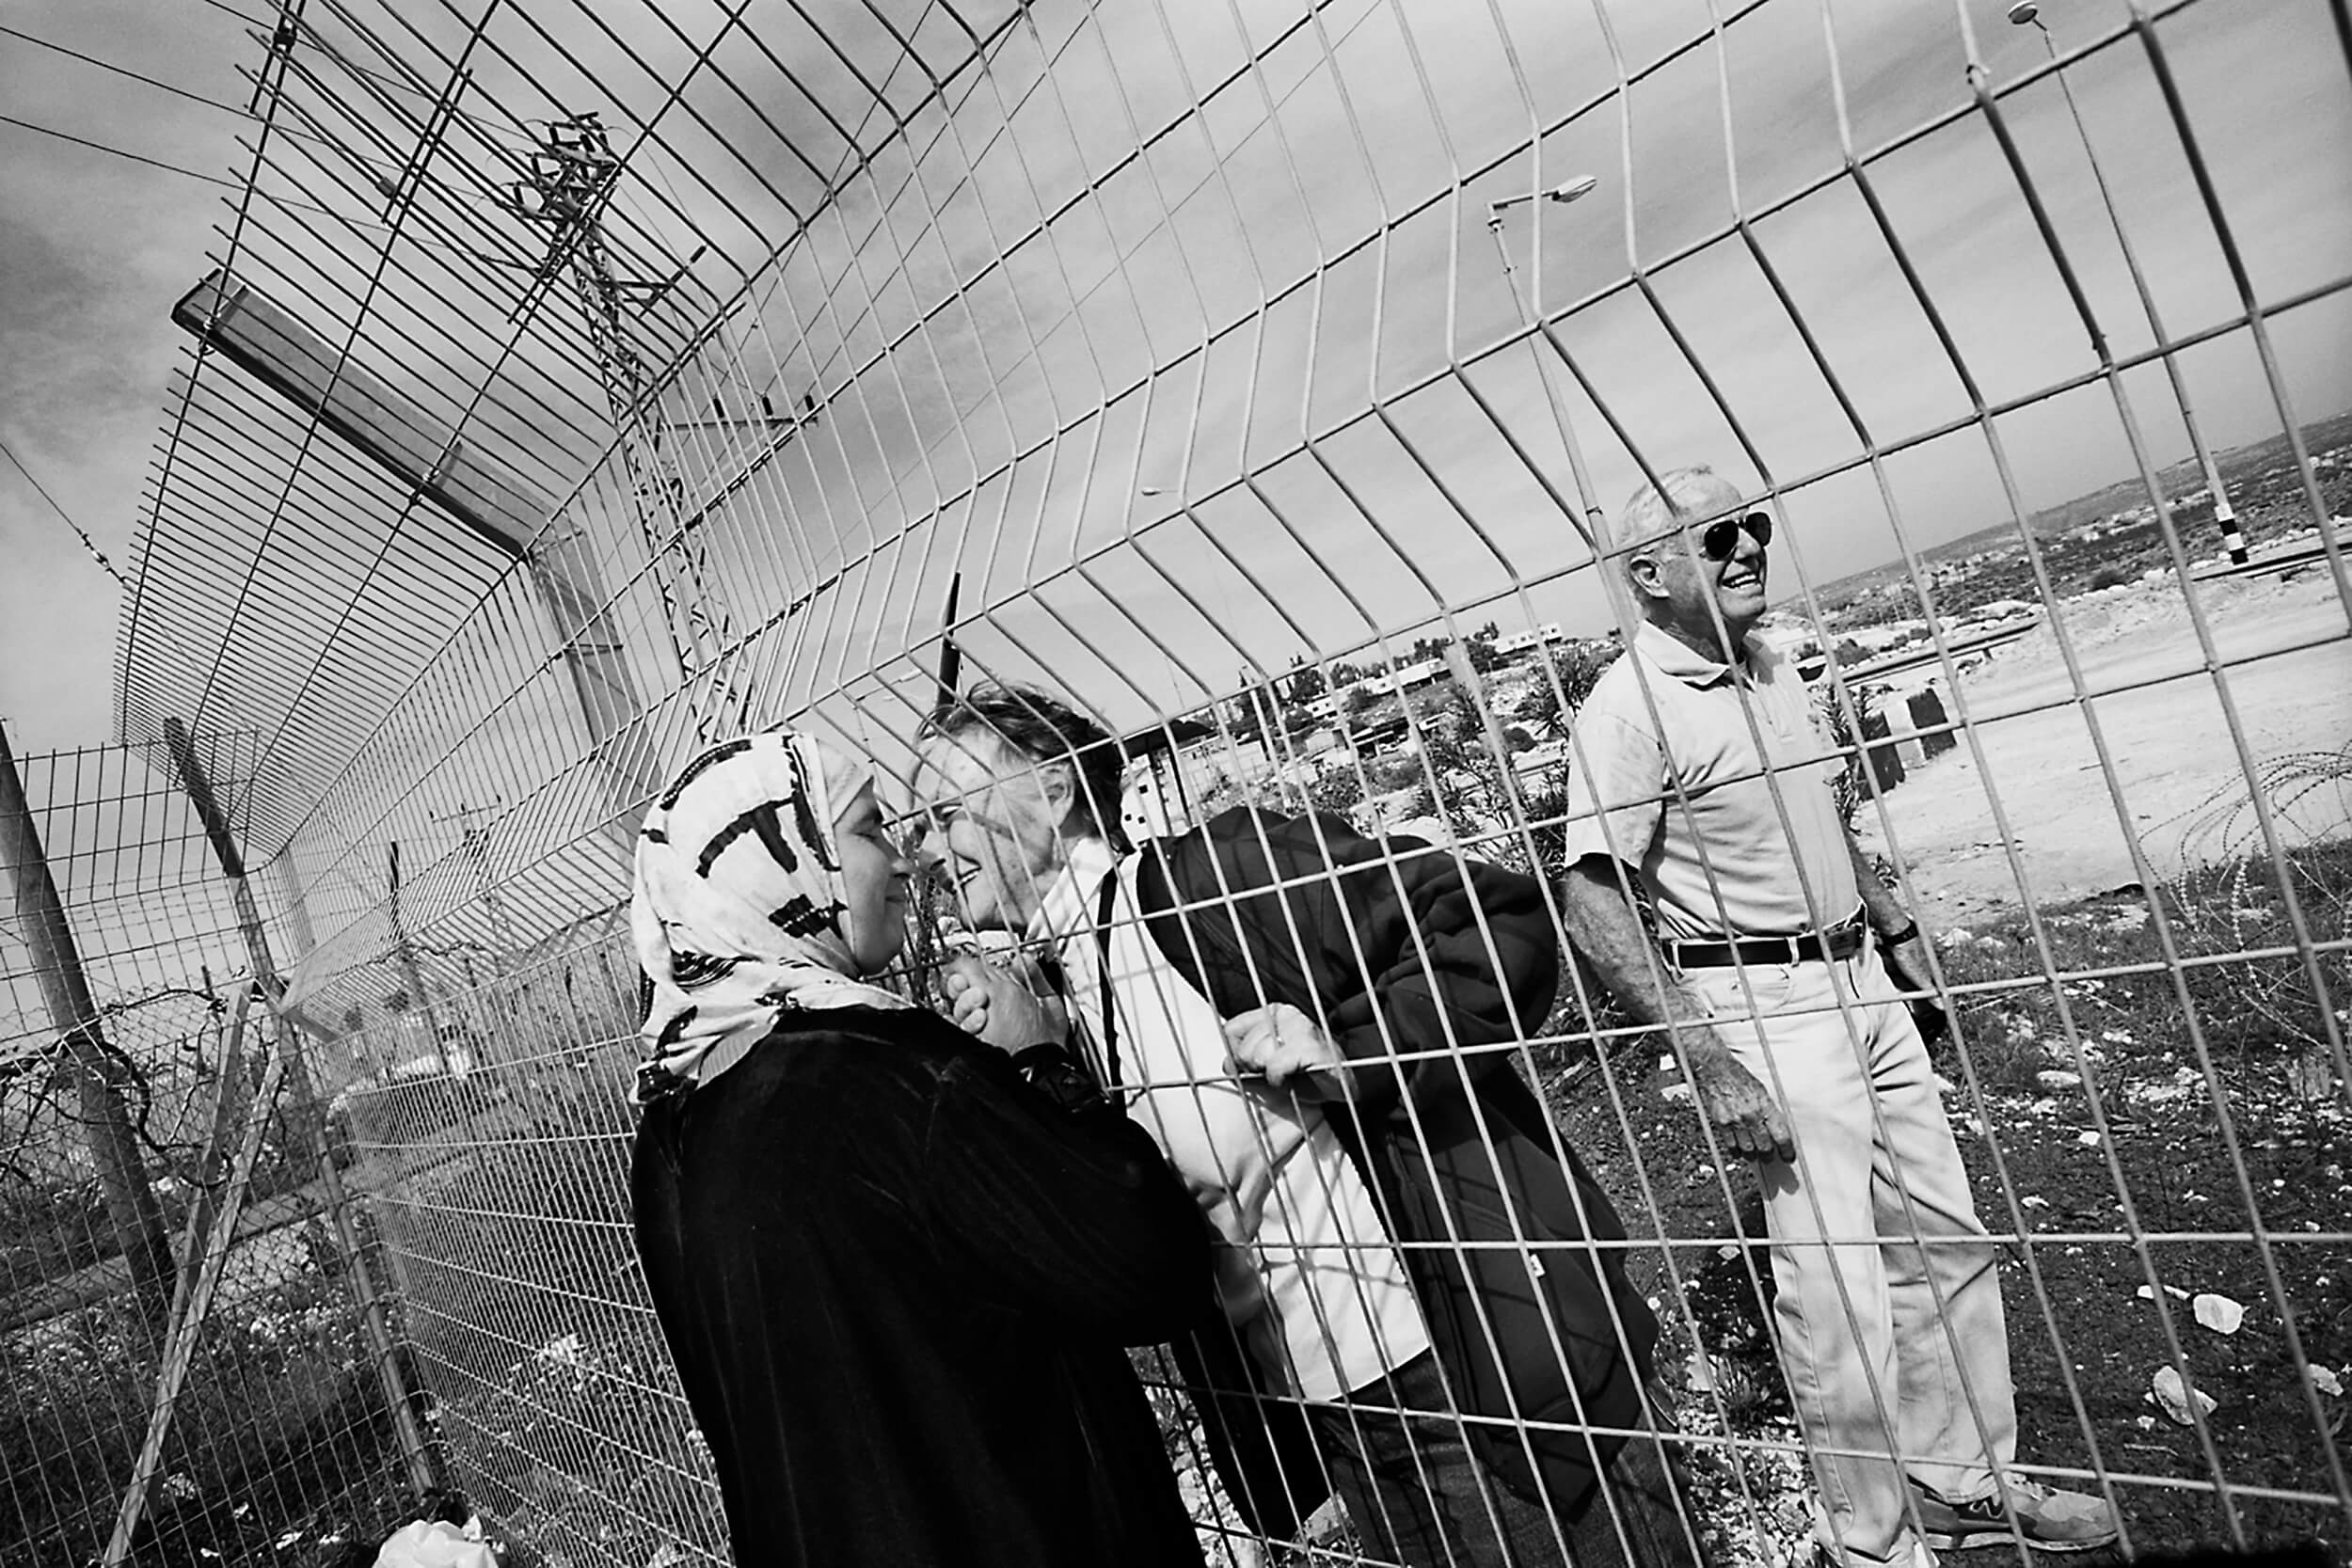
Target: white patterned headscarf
739, 903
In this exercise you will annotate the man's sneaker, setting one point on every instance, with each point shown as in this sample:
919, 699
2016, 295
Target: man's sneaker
2050, 1520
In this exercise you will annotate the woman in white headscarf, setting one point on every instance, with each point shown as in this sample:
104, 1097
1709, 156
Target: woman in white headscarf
894, 1265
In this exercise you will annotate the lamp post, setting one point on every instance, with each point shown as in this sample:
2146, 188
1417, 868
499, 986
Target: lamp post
2027, 13
1593, 525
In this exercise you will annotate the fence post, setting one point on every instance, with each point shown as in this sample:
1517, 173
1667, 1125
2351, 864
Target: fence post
415, 1445
231, 1107
105, 1114
211, 1239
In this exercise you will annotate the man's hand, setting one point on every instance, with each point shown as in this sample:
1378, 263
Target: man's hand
1290, 1049
1907, 964
1748, 1122
1001, 1009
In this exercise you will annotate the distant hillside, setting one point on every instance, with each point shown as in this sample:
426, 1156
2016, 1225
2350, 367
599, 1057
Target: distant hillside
2243, 469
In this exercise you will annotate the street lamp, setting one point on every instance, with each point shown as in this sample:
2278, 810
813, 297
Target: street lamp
1592, 525
2027, 13
1584, 185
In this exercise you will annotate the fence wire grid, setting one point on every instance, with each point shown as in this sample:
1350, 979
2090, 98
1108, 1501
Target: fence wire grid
125, 1195
569, 386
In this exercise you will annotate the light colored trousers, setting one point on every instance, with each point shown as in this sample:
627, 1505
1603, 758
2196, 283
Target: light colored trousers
1890, 1315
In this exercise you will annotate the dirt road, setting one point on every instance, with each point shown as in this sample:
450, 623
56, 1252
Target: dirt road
2181, 768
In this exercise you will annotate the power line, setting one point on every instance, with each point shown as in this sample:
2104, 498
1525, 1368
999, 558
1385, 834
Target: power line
79, 533
249, 20
125, 70
262, 195
164, 86
135, 157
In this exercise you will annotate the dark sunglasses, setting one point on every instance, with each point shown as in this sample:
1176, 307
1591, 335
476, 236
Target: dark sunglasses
1721, 537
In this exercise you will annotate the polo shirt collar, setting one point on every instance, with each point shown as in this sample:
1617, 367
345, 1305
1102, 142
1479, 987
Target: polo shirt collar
1675, 658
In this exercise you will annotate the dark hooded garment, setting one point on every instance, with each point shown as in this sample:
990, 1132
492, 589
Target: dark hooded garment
896, 1276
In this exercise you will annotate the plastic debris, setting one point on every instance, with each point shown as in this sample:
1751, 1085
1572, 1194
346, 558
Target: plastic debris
2218, 1312
2172, 1394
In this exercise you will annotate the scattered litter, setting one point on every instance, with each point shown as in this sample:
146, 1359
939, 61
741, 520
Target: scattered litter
432, 1543
1676, 1091
2088, 1137
2172, 1395
2218, 1312
287, 1540
2173, 1290
2147, 1423
1728, 1252
2326, 1381
2033, 1200
1698, 1373
2056, 1078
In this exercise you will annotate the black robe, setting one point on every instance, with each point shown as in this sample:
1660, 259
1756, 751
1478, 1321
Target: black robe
896, 1278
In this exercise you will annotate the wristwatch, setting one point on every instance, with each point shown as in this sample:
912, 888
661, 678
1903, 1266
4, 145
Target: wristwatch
1908, 931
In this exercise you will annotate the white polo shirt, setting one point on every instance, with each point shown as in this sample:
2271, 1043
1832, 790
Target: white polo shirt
1304, 1264
1750, 832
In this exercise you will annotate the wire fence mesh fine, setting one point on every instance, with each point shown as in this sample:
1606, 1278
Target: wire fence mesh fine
575, 386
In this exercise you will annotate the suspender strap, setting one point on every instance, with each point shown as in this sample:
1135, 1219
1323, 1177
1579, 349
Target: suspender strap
1105, 898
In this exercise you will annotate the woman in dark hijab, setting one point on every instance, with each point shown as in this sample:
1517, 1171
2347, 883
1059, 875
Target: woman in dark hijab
895, 1264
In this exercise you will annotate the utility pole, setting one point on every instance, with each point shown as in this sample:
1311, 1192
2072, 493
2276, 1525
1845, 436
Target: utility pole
2027, 13
572, 176
475, 842
404, 954
295, 1075
100, 1073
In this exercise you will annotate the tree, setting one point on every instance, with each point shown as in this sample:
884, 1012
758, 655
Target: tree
1306, 683
1576, 669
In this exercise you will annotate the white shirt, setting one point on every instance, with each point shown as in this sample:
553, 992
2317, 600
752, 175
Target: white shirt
1304, 1263
1758, 850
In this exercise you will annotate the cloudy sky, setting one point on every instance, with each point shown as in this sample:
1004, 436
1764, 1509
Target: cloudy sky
95, 247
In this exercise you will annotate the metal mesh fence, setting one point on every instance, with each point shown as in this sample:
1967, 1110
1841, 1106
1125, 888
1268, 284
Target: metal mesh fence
164, 1203
582, 384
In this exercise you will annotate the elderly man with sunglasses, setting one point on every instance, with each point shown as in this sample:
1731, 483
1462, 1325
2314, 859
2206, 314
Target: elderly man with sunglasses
1778, 965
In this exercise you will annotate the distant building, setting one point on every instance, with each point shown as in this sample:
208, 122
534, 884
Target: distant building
1535, 637
1402, 678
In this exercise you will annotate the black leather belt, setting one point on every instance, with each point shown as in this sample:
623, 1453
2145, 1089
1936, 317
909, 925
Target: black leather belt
1841, 940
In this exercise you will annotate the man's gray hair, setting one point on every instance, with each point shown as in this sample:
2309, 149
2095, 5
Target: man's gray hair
1653, 510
